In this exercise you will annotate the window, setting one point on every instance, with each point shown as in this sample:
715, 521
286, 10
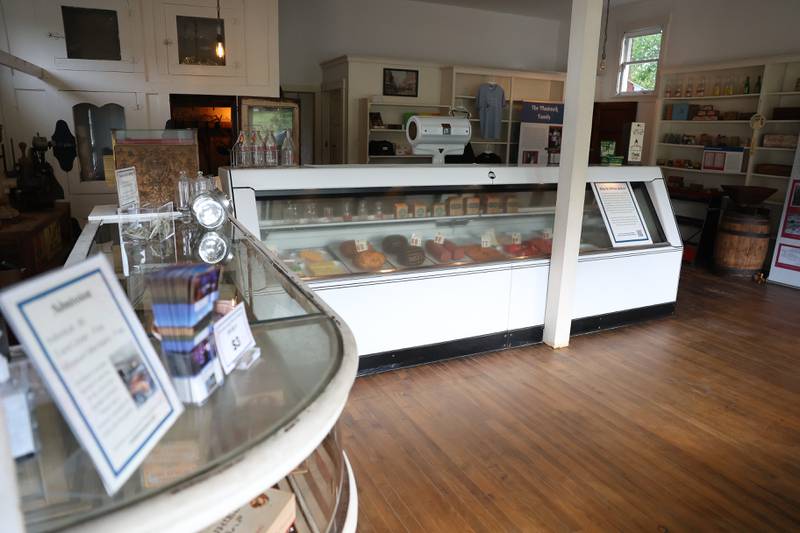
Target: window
638, 65
197, 41
91, 33
93, 127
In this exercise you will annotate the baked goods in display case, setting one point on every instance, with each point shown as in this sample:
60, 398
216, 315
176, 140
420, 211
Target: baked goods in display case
456, 250
370, 260
438, 251
411, 256
394, 243
481, 254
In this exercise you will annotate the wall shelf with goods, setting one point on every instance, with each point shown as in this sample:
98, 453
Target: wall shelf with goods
460, 87
385, 121
731, 93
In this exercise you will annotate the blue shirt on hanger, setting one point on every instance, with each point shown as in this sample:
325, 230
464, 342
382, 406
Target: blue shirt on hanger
490, 102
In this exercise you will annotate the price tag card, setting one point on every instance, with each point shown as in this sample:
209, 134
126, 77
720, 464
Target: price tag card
486, 241
516, 238
362, 246
234, 337
439, 238
82, 334
415, 240
127, 187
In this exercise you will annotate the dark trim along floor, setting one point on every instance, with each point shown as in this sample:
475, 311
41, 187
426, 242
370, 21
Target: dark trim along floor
418, 355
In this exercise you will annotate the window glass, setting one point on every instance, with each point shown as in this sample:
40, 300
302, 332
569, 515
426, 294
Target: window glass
91, 33
93, 127
197, 41
638, 68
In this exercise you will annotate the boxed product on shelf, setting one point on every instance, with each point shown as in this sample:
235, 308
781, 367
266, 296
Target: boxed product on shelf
786, 113
773, 169
723, 159
779, 140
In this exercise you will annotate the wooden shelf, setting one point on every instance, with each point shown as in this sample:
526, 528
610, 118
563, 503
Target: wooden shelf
411, 156
708, 121
774, 149
720, 97
382, 130
699, 146
465, 97
402, 104
783, 93
700, 171
770, 176
783, 122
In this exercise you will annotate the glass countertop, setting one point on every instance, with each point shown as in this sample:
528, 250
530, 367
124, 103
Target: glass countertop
301, 350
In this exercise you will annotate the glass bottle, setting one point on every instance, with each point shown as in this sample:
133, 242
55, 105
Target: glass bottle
270, 150
716, 90
291, 211
758, 86
347, 210
379, 210
689, 89
183, 198
678, 89
287, 150
200, 185
701, 87
246, 159
362, 209
668, 89
747, 85
729, 86
259, 155
236, 151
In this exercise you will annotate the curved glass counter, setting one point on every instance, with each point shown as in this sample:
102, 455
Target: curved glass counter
274, 414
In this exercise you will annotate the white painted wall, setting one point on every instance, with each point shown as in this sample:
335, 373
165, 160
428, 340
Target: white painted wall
141, 82
313, 31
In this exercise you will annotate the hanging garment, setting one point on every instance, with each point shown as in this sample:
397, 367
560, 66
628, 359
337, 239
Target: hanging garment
490, 101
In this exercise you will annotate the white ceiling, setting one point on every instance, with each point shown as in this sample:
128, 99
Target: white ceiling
549, 9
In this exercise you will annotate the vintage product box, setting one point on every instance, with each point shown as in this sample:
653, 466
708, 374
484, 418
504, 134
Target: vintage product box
401, 210
455, 206
439, 210
420, 210
472, 205
493, 205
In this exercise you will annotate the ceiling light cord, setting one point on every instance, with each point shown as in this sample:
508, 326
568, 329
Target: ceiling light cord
605, 38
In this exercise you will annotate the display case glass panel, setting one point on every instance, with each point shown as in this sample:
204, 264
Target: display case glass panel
360, 232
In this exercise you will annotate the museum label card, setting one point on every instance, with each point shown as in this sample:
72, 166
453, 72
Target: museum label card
233, 337
621, 214
80, 331
127, 187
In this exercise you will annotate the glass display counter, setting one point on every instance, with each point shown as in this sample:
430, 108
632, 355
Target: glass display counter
427, 262
274, 423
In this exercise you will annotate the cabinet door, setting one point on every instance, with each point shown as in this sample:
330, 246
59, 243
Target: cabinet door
191, 35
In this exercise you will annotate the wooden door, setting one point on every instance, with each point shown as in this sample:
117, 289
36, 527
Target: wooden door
333, 125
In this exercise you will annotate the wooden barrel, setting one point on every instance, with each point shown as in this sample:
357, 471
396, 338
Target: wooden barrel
742, 243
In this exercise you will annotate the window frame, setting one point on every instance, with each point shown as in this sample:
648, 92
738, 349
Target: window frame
624, 52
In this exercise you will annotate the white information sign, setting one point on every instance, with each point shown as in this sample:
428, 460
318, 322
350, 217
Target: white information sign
621, 214
80, 331
127, 188
233, 336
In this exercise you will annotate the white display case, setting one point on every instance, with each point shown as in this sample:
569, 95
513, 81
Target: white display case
410, 311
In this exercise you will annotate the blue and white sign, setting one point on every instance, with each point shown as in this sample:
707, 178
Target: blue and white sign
542, 113
80, 331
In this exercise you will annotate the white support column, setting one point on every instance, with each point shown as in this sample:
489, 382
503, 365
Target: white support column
584, 37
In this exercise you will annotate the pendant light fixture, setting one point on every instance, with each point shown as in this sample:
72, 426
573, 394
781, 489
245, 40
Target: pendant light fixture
220, 49
603, 64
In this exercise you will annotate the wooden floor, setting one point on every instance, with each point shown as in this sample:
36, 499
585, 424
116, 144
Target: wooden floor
689, 423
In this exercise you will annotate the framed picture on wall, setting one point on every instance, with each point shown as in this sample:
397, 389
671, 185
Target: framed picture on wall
281, 116
400, 82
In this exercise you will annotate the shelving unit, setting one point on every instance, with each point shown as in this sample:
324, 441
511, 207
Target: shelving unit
778, 82
392, 113
460, 85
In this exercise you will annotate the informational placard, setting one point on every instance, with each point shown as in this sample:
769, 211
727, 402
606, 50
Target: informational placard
790, 229
93, 354
233, 337
127, 187
621, 214
788, 256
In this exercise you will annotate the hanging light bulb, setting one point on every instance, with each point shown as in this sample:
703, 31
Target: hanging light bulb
220, 49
